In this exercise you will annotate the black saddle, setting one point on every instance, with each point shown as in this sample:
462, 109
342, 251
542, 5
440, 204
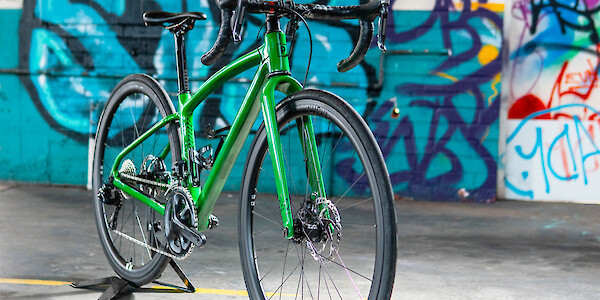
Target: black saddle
168, 19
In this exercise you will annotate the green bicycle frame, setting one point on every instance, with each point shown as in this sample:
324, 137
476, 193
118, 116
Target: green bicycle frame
272, 75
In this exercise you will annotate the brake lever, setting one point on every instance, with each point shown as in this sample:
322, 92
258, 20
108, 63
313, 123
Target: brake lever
238, 21
381, 31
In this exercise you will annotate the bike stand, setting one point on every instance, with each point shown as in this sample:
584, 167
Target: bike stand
117, 284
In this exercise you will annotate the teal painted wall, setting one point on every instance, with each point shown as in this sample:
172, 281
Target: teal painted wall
71, 53
30, 149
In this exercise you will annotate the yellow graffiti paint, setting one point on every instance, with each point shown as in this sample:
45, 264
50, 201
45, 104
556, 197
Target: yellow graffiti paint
487, 54
495, 7
447, 76
494, 88
490, 99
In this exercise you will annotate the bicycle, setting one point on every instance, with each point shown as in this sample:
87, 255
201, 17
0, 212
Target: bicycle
147, 214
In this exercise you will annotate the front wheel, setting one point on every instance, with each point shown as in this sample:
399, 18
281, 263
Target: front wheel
345, 243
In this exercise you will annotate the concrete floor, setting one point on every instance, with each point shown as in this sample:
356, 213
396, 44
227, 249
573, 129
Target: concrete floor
507, 250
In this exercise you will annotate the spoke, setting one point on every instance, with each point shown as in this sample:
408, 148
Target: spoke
343, 265
307, 187
268, 205
341, 135
289, 170
284, 264
345, 268
146, 112
255, 213
319, 284
133, 234
286, 279
137, 132
353, 184
343, 178
358, 250
312, 150
353, 205
142, 232
277, 264
301, 261
121, 131
360, 224
156, 135
304, 279
124, 219
331, 279
266, 230
347, 272
325, 281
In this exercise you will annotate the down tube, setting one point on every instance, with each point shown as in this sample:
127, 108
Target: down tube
240, 129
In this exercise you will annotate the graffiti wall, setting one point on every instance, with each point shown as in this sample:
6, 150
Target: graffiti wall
432, 100
550, 86
446, 84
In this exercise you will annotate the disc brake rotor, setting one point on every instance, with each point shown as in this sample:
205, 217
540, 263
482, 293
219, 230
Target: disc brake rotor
318, 225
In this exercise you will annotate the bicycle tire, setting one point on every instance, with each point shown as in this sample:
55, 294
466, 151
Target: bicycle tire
135, 104
263, 249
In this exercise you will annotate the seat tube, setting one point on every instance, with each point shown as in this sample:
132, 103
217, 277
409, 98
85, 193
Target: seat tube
186, 121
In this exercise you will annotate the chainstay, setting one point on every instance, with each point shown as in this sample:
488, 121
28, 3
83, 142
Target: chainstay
162, 252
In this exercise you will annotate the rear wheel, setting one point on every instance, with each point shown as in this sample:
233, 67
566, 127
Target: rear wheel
135, 104
346, 251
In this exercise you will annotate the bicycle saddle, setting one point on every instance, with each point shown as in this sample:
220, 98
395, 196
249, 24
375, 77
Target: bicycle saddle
163, 17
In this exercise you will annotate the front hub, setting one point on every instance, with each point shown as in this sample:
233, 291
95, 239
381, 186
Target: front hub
318, 225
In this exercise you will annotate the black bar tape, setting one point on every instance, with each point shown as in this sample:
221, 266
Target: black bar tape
357, 55
368, 11
222, 41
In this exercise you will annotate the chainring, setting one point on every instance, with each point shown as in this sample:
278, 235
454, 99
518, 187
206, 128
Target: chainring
180, 206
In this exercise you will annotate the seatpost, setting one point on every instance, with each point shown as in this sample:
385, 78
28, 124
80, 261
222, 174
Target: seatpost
182, 75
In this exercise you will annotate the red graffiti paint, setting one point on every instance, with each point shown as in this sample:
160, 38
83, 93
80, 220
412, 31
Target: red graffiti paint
579, 84
527, 105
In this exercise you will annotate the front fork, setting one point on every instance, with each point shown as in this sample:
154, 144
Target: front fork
289, 85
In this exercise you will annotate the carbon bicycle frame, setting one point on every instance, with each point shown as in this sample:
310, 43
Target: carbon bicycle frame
272, 75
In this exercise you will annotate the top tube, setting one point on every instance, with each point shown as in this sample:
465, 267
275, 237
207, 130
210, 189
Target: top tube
233, 69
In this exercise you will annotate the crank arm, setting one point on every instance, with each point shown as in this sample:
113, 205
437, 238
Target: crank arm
195, 237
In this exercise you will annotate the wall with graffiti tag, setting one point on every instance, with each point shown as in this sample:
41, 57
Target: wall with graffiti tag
552, 101
432, 101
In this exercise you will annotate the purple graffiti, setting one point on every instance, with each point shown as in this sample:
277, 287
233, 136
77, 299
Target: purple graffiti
390, 134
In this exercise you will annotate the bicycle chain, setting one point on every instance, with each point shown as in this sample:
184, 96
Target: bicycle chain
173, 256
143, 180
